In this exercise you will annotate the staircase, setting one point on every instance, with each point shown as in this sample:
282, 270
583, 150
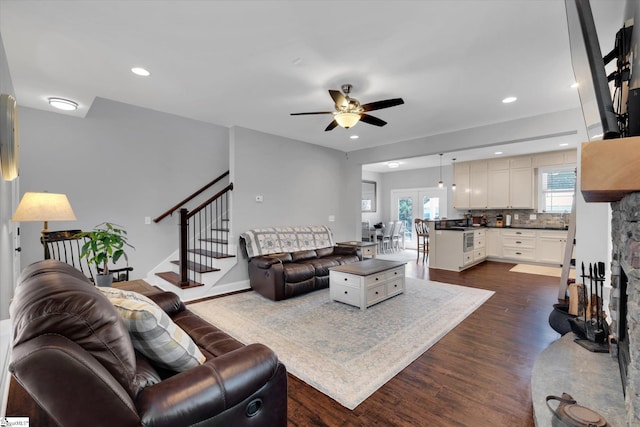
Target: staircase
205, 253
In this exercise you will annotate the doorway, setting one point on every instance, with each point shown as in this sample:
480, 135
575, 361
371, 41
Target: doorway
424, 203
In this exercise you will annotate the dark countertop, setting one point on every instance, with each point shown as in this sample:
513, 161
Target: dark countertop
522, 227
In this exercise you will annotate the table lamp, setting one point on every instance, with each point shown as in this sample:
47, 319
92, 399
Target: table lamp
44, 207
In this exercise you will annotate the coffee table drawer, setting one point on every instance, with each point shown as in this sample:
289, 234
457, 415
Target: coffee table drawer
346, 294
376, 293
344, 278
395, 287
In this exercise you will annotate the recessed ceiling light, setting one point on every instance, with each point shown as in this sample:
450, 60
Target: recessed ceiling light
509, 100
297, 61
574, 85
354, 137
393, 165
564, 144
63, 104
139, 71
498, 153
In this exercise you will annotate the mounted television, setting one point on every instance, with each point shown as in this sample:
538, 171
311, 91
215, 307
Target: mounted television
589, 70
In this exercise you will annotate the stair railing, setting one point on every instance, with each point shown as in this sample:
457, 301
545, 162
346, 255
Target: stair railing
204, 231
180, 204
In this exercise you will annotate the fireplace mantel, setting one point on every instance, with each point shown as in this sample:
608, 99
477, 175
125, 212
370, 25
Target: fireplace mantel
609, 169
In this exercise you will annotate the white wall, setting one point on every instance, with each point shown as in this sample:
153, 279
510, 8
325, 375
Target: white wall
119, 164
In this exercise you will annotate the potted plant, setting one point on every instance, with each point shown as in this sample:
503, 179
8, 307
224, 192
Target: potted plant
104, 243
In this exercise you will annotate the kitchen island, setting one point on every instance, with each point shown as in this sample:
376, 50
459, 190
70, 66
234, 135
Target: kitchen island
456, 248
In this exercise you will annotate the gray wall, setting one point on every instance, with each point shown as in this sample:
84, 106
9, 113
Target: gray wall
302, 184
7, 228
119, 164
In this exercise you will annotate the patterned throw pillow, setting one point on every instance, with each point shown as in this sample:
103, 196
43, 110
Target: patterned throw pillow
153, 333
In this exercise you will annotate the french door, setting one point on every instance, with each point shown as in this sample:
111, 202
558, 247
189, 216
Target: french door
423, 203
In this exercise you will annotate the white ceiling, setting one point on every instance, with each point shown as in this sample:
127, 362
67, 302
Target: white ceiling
252, 63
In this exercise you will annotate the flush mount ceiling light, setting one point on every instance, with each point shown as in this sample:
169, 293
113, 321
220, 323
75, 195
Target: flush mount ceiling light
63, 104
393, 165
509, 100
354, 137
497, 153
347, 120
139, 71
440, 183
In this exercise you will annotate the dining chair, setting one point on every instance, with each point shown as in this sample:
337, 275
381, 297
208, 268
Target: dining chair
66, 246
385, 239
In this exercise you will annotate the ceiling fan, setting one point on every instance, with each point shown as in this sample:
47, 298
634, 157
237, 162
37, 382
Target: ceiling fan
349, 111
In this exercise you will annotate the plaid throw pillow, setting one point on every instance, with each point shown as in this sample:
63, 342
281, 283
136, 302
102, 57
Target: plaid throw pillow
153, 333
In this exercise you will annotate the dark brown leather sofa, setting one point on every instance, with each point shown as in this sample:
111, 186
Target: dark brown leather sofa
289, 261
73, 354
285, 275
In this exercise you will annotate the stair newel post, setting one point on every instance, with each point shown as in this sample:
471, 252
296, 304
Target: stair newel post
184, 237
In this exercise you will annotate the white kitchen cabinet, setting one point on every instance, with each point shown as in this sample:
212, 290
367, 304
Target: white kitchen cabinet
447, 251
510, 183
519, 244
521, 188
493, 243
478, 175
550, 246
555, 158
498, 189
461, 179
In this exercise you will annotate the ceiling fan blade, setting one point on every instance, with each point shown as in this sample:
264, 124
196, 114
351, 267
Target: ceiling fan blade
316, 112
338, 98
379, 105
331, 126
372, 120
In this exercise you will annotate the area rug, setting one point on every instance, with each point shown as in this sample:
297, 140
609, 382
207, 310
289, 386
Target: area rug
541, 270
345, 352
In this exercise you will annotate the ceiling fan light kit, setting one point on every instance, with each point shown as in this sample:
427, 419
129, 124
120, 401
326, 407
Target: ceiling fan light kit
347, 120
349, 111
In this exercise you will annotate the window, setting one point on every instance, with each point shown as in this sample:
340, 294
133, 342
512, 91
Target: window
556, 188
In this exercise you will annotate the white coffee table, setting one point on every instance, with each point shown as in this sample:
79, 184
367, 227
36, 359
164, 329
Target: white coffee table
363, 284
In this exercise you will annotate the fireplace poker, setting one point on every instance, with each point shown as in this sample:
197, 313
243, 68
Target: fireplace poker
584, 293
601, 276
589, 327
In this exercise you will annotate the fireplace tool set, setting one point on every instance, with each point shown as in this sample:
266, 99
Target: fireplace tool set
591, 328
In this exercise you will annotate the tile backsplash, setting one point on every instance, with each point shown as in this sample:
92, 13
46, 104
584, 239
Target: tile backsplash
550, 220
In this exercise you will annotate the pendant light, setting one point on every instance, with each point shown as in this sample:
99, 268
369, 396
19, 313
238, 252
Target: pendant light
453, 165
440, 183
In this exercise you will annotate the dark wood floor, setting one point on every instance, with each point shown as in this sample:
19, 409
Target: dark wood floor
477, 375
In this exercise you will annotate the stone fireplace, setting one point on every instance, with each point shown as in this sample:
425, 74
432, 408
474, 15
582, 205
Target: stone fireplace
625, 309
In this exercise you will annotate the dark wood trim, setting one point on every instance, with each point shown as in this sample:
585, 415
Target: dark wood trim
189, 198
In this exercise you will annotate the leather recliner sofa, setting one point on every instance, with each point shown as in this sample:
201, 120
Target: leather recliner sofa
289, 261
73, 354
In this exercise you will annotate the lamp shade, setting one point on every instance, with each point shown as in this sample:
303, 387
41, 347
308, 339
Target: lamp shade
44, 207
347, 120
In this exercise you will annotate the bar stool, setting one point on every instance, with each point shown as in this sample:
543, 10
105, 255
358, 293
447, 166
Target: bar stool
422, 235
